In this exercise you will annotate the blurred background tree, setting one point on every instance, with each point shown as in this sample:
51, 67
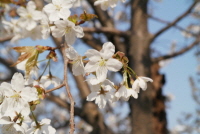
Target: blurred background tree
128, 27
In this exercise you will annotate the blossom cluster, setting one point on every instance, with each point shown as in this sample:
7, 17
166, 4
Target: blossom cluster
16, 101
98, 65
19, 98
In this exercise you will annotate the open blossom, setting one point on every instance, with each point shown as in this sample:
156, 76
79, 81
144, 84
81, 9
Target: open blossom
69, 29
29, 16
47, 80
45, 26
101, 62
77, 65
14, 28
125, 93
102, 93
58, 9
105, 4
141, 82
11, 127
17, 96
34, 34
43, 128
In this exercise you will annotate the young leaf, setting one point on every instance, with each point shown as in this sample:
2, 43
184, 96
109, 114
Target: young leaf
31, 62
87, 17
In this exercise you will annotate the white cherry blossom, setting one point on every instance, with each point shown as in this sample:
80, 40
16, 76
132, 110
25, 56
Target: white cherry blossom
15, 29
141, 82
29, 16
34, 34
105, 4
77, 65
17, 96
45, 26
47, 80
125, 93
58, 9
69, 29
102, 93
11, 127
101, 62
43, 128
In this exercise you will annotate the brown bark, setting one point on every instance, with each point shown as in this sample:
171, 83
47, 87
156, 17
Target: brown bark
159, 114
148, 111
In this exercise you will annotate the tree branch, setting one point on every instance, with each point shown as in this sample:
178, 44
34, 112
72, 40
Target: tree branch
50, 90
176, 26
105, 30
177, 53
188, 11
103, 16
7, 65
5, 39
91, 41
72, 124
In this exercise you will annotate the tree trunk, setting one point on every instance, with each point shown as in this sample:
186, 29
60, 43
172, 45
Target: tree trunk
148, 111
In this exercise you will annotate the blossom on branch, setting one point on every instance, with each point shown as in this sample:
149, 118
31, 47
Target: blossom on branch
101, 62
102, 93
69, 29
29, 16
17, 96
141, 82
58, 9
77, 61
42, 127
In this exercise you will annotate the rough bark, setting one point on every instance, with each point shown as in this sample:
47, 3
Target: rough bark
148, 111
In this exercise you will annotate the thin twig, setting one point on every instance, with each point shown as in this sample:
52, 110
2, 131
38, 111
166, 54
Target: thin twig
176, 26
188, 11
185, 49
68, 90
105, 30
6, 38
50, 90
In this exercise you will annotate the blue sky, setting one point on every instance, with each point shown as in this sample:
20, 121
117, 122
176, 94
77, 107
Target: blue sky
180, 68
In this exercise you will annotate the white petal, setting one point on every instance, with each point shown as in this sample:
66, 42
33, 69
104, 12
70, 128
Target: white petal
71, 53
70, 37
46, 121
58, 32
29, 94
50, 8
91, 67
31, 6
78, 68
100, 100
61, 24
146, 79
142, 83
113, 65
54, 16
22, 11
31, 24
37, 15
79, 31
92, 96
17, 82
108, 50
64, 13
101, 73
93, 55
135, 86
